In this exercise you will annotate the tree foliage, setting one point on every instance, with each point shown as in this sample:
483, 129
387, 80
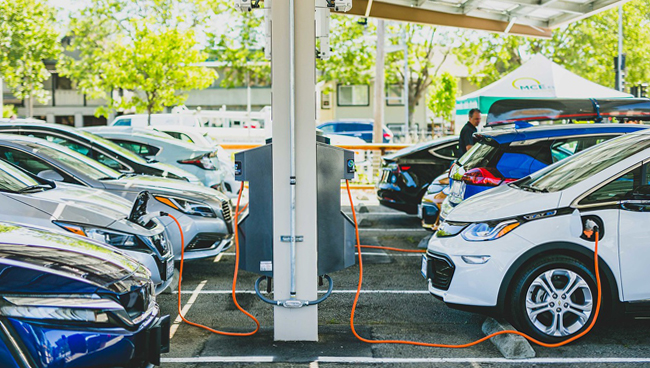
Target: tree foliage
28, 36
586, 47
441, 99
240, 47
145, 47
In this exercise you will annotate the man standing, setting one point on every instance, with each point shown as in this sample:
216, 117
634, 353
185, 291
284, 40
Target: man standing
467, 140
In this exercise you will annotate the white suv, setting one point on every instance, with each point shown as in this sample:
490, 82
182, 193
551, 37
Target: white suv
512, 251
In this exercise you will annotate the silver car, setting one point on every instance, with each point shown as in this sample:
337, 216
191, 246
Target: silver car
161, 147
93, 213
204, 214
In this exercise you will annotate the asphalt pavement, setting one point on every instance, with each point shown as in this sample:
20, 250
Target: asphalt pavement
394, 304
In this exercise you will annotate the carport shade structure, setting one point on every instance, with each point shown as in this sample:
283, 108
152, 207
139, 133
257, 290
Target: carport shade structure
534, 18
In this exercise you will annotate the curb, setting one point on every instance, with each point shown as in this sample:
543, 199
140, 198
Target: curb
511, 346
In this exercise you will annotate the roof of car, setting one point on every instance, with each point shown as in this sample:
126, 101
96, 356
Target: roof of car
146, 134
503, 136
421, 146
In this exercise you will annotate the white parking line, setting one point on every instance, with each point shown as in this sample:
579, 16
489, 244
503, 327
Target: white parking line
367, 360
380, 214
475, 365
186, 307
319, 291
392, 254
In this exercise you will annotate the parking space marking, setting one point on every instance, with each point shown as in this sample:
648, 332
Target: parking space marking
419, 255
219, 256
313, 365
381, 214
319, 291
413, 229
186, 307
368, 360
475, 365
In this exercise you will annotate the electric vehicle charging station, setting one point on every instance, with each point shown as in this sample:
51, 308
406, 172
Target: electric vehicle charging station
336, 238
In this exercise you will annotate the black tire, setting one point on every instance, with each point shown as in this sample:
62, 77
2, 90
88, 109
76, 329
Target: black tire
551, 315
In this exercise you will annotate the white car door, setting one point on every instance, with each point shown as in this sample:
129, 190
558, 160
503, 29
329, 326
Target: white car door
619, 206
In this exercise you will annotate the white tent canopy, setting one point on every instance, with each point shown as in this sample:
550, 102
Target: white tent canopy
537, 78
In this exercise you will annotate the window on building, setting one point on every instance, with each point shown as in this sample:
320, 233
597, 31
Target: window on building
355, 95
62, 82
394, 95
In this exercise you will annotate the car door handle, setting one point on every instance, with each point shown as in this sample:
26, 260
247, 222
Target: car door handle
636, 206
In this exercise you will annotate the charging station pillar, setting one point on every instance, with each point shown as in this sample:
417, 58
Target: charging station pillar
300, 324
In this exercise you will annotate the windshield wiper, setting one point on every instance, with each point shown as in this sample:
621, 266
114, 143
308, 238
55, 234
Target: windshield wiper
533, 189
33, 188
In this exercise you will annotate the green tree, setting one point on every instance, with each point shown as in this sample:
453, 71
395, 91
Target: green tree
28, 36
8, 111
586, 47
239, 46
441, 99
147, 48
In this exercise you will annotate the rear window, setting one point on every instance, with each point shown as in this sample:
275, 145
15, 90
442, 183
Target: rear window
478, 156
122, 122
512, 161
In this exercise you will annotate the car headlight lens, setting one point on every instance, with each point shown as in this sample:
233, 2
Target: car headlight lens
434, 188
186, 206
59, 308
489, 231
110, 237
447, 229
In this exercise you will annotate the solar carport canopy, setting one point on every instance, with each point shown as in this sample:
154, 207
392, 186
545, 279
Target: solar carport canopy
522, 17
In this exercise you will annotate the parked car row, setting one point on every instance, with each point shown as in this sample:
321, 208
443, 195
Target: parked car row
88, 242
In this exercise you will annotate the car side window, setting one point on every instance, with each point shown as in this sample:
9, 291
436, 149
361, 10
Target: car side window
450, 151
31, 163
618, 189
110, 162
138, 148
186, 138
123, 122
518, 161
73, 145
563, 148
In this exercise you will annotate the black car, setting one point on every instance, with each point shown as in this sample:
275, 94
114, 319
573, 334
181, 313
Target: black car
95, 147
407, 173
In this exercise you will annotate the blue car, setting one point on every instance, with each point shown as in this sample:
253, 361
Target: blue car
505, 155
360, 128
67, 301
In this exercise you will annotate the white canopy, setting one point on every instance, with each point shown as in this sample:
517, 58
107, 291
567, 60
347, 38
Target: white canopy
537, 78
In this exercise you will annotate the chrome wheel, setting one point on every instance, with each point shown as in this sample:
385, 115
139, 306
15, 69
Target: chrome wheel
559, 302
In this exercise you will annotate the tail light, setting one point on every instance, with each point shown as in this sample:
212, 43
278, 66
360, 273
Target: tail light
202, 161
387, 136
486, 176
404, 168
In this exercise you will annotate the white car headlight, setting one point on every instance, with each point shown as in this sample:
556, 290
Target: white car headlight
186, 206
488, 230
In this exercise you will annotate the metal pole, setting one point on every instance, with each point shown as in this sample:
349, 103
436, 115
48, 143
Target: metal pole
292, 142
406, 87
619, 65
378, 133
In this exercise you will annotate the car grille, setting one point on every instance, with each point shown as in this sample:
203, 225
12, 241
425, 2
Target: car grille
137, 302
227, 214
440, 271
202, 242
160, 243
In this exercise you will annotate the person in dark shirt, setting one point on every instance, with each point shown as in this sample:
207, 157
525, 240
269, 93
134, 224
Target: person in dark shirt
466, 140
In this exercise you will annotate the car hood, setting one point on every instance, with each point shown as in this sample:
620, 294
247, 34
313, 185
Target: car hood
42, 261
156, 184
502, 202
77, 204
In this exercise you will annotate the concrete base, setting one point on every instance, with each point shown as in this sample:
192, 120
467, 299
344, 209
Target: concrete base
510, 345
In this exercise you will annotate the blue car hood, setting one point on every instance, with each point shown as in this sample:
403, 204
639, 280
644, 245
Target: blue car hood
34, 260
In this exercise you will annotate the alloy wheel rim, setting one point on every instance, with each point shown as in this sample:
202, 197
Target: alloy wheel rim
559, 302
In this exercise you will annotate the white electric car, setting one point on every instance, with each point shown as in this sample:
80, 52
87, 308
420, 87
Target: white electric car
523, 250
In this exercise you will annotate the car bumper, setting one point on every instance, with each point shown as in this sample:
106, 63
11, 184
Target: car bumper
470, 284
49, 345
197, 229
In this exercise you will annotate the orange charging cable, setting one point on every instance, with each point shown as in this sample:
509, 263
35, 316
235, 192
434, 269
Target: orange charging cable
416, 343
391, 248
234, 280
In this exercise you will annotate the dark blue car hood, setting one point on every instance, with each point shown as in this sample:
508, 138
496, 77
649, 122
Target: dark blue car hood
39, 261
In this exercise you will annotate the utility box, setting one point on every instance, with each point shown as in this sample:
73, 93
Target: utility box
336, 235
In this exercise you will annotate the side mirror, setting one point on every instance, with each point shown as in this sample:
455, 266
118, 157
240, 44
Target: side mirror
50, 175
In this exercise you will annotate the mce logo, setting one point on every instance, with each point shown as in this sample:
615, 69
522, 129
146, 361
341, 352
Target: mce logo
529, 84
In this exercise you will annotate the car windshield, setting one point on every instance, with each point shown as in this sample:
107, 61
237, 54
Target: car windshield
113, 147
581, 166
13, 179
77, 161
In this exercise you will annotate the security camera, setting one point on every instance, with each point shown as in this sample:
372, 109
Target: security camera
340, 5
246, 5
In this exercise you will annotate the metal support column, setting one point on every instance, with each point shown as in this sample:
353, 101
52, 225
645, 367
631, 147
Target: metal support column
294, 212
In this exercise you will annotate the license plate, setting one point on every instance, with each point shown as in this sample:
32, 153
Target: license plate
170, 269
423, 270
420, 211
